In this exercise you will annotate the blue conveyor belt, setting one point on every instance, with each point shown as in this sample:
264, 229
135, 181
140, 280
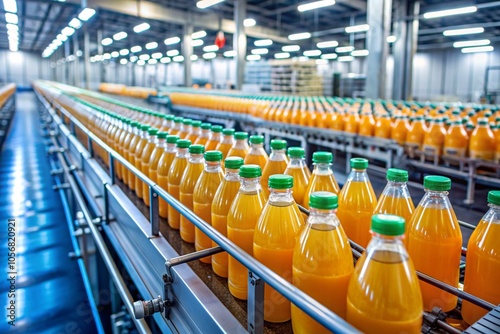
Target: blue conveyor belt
50, 294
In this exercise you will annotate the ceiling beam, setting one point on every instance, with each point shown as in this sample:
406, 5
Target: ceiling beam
42, 24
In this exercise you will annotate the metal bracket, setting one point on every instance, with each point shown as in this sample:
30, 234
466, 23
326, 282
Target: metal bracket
57, 171
53, 150
255, 305
61, 186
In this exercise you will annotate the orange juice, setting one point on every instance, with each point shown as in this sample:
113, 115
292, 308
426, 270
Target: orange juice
366, 124
456, 141
125, 147
174, 179
416, 133
138, 158
147, 152
357, 202
276, 164
351, 122
435, 242
257, 155
241, 220
203, 196
195, 131
164, 164
301, 174
400, 129
322, 178
384, 294
240, 147
227, 142
221, 204
322, 262
187, 186
177, 126
154, 160
482, 267
482, 144
383, 127
434, 138
205, 134
130, 155
497, 143
274, 242
215, 138
186, 128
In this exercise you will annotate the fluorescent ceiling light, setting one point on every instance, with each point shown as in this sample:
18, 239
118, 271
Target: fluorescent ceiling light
346, 58
262, 51
249, 22
253, 57
151, 45
106, 56
98, 57
141, 62
207, 3
263, 42
136, 49
281, 55
172, 53
13, 48
231, 53
165, 60
141, 27
312, 53
193, 57
301, 58
198, 34
448, 12
152, 61
210, 48
358, 28
329, 44
115, 54
15, 33
75, 23
11, 26
120, 35
467, 31
197, 42
209, 55
290, 48
315, 5
359, 53
133, 58
68, 31
477, 42
302, 35
107, 41
86, 14
144, 57
344, 49
124, 52
391, 39
157, 55
478, 49
172, 40
321, 61
178, 59
10, 6
61, 37
11, 18
57, 42
123, 61
329, 56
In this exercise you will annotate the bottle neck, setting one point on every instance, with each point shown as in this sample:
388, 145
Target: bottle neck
277, 155
144, 134
213, 166
358, 175
152, 139
205, 133
322, 168
182, 153
241, 143
169, 147
228, 139
297, 162
281, 196
324, 218
257, 146
216, 136
161, 143
232, 175
196, 158
250, 185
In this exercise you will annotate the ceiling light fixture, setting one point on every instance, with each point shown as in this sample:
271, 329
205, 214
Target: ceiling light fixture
302, 35
478, 42
210, 48
263, 42
11, 18
391, 39
10, 6
478, 49
207, 3
157, 55
107, 41
253, 57
315, 5
209, 55
360, 53
290, 48
231, 53
449, 12
141, 27
312, 53
467, 31
68, 31
197, 42
75, 23
86, 14
136, 49
165, 60
329, 44
124, 52
123, 61
151, 45
262, 51
193, 57
198, 34
172, 40
115, 54
346, 58
144, 57
152, 61
321, 62
344, 49
281, 55
120, 35
172, 53
178, 59
249, 22
329, 56
358, 28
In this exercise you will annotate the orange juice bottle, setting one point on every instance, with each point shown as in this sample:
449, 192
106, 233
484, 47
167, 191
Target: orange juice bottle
177, 126
274, 242
147, 152
383, 127
482, 144
384, 294
352, 122
221, 204
400, 130
187, 186
215, 138
357, 201
395, 198
366, 124
174, 179
166, 123
482, 267
132, 126
164, 165
276, 164
322, 262
227, 142
434, 138
416, 133
186, 128
257, 155
154, 160
241, 220
240, 147
130, 153
456, 140
203, 196
497, 144
195, 131
205, 134
435, 242
322, 178
297, 168
138, 158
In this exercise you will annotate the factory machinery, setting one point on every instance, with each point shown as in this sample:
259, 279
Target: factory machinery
145, 259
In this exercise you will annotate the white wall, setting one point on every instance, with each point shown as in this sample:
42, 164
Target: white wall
22, 67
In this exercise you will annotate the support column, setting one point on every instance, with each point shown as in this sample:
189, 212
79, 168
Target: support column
77, 60
66, 65
86, 53
240, 40
379, 19
100, 51
187, 51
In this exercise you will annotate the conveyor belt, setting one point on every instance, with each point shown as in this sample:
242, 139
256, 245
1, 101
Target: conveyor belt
50, 294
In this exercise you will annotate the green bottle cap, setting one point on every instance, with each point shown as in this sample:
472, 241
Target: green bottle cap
397, 175
240, 135
296, 152
250, 171
388, 224
178, 119
187, 121
145, 127
206, 126
256, 139
359, 163
494, 197
196, 149
172, 139
228, 132
323, 200
322, 157
162, 135
152, 131
437, 183
216, 128
482, 121
213, 156
196, 124
280, 181
183, 143
278, 144
233, 162
170, 117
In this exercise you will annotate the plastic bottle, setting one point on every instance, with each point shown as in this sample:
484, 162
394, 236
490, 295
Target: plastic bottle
177, 126
138, 157
497, 144
482, 141
195, 131
297, 168
482, 266
456, 141
191, 175
221, 204
241, 221
174, 179
384, 294
227, 142
154, 160
164, 165
240, 147
186, 129
322, 262
435, 242
434, 138
274, 242
416, 133
132, 127
203, 196
357, 201
322, 178
257, 155
400, 129
276, 164
383, 127
351, 122
205, 134
215, 138
367, 124
147, 152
